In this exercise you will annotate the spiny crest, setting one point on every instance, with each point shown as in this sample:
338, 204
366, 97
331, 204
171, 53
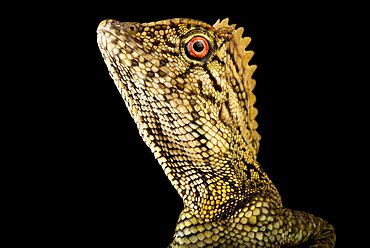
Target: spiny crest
245, 82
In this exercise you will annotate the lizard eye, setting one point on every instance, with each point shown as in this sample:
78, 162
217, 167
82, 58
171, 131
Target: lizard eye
197, 47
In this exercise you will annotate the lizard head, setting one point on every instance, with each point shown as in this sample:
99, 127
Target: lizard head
188, 87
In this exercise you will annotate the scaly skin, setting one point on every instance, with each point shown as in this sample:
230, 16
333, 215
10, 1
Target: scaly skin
188, 86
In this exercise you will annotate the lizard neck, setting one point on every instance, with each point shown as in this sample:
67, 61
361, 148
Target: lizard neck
215, 189
208, 162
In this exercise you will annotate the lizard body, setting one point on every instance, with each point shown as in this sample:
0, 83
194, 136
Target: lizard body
188, 86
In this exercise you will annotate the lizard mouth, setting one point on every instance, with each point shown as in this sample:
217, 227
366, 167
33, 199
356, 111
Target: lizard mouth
117, 47
123, 53
115, 38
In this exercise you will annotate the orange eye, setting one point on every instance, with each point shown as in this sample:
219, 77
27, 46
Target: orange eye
197, 47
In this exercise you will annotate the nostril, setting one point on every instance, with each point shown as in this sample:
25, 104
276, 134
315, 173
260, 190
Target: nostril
131, 27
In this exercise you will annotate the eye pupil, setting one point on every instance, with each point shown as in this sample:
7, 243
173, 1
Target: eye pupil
198, 46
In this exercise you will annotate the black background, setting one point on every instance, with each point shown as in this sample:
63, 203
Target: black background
89, 178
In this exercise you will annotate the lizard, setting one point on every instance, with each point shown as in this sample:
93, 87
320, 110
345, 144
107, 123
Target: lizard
188, 85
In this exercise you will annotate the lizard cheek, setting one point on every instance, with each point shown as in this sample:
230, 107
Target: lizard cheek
197, 47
